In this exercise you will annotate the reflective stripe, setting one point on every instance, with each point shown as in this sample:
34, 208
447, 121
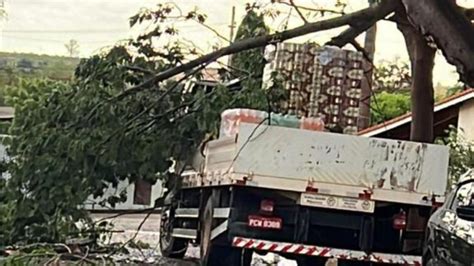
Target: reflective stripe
342, 254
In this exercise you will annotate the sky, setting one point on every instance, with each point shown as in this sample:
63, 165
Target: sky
44, 26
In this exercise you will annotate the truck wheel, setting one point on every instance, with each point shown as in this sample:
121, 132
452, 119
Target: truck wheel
170, 246
217, 255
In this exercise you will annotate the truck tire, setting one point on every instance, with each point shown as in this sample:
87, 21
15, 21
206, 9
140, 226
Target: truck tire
170, 246
217, 255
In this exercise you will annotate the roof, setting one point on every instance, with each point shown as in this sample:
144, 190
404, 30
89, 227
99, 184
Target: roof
208, 74
406, 118
211, 74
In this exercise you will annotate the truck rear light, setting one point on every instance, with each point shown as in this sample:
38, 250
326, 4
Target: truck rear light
435, 204
311, 189
266, 206
366, 195
400, 221
240, 182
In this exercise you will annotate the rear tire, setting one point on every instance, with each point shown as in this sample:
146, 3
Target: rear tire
217, 255
170, 246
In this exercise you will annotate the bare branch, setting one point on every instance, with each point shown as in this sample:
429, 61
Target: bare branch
361, 49
214, 31
319, 10
384, 7
297, 9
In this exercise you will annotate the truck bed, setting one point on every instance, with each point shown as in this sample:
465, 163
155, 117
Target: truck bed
295, 160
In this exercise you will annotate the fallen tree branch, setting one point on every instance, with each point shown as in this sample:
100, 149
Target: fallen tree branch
134, 236
358, 28
57, 247
452, 32
250, 43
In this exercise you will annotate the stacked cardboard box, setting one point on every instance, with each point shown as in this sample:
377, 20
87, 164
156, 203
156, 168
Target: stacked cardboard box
323, 82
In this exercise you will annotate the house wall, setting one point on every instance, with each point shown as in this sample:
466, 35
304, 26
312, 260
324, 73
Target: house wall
466, 119
156, 191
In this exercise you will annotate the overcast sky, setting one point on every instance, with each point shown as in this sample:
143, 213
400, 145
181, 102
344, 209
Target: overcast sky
44, 26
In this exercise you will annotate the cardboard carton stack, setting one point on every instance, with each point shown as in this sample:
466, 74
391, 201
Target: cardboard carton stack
323, 82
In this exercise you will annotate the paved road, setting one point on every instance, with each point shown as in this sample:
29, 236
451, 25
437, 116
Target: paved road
149, 234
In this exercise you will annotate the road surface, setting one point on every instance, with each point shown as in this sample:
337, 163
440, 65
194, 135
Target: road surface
149, 234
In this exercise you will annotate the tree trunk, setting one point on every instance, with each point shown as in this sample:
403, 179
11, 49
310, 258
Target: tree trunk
422, 95
422, 92
451, 30
369, 46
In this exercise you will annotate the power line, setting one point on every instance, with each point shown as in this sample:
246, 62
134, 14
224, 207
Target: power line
64, 31
53, 40
91, 31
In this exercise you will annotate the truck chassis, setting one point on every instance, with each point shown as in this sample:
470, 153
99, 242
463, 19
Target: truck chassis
219, 219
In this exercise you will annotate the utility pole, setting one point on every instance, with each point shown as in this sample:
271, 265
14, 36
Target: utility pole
232, 27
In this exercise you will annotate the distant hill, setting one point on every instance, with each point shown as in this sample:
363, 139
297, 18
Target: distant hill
15, 65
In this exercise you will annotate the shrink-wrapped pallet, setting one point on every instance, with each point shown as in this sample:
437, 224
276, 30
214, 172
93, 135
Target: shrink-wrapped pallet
232, 118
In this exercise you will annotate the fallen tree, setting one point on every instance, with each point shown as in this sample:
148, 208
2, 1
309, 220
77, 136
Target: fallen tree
128, 116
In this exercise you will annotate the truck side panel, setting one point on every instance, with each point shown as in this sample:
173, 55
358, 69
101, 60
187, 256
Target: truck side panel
340, 159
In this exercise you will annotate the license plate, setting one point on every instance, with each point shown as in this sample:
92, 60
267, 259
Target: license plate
338, 203
264, 222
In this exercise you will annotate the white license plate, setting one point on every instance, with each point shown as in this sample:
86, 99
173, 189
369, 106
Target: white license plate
338, 203
264, 222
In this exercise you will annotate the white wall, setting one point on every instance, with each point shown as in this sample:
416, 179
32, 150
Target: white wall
466, 119
156, 192
92, 204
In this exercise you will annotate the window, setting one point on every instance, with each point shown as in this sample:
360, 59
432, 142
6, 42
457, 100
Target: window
142, 195
464, 196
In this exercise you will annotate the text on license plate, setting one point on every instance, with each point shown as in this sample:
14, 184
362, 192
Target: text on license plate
264, 222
